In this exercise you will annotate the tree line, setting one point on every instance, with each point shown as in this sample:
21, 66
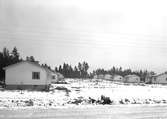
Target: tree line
8, 58
79, 71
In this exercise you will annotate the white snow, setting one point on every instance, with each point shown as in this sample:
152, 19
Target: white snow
65, 94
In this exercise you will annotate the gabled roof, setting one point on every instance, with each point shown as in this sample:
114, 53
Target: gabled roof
33, 63
131, 75
59, 74
160, 74
116, 75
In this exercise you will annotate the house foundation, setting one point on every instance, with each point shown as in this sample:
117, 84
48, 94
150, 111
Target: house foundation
28, 87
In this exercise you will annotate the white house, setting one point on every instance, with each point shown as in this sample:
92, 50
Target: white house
60, 76
131, 79
118, 78
27, 75
57, 77
108, 77
99, 76
159, 79
95, 77
54, 77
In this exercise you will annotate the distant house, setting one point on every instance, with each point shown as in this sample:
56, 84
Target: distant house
118, 78
149, 79
131, 79
54, 77
27, 75
95, 77
159, 79
57, 77
108, 77
99, 76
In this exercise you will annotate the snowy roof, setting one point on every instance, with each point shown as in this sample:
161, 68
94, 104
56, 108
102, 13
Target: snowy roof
116, 75
132, 75
59, 74
33, 63
165, 73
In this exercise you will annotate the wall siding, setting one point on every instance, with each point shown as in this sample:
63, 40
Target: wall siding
160, 79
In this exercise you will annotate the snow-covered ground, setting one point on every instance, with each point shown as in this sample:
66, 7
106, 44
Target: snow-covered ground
85, 92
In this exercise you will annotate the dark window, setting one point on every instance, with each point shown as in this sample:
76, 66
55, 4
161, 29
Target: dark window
35, 75
166, 79
154, 79
53, 77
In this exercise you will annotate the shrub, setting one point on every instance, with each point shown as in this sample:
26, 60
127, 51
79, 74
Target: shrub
60, 82
29, 103
121, 102
77, 101
105, 100
91, 100
62, 88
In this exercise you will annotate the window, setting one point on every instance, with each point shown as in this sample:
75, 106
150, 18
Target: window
53, 77
35, 75
154, 79
166, 79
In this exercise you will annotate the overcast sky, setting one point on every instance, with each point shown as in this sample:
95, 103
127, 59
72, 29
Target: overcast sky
127, 33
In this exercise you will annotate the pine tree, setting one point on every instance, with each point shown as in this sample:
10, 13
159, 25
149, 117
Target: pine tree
15, 55
31, 59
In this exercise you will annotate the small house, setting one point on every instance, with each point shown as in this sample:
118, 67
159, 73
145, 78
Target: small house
99, 76
27, 75
131, 79
108, 77
118, 78
57, 77
95, 77
54, 77
159, 79
149, 79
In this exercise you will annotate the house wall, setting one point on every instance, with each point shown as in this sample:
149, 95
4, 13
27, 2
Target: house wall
56, 78
148, 80
49, 78
118, 78
95, 76
161, 79
132, 79
108, 77
100, 76
21, 74
60, 76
